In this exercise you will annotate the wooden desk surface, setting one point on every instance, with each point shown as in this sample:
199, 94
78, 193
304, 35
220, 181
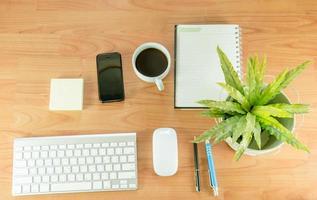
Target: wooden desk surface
40, 40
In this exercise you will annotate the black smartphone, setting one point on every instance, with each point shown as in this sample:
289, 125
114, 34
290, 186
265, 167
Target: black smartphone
110, 77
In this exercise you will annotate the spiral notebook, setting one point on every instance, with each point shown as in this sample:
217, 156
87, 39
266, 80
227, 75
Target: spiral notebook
197, 66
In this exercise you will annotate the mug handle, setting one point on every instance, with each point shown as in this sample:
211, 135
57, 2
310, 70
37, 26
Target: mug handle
159, 84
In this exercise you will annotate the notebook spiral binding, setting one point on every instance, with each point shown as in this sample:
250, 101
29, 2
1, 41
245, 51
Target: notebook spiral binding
238, 51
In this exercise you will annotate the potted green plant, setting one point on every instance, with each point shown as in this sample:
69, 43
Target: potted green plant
256, 118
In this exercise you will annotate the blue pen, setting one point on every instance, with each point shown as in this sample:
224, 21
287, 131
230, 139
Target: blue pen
211, 168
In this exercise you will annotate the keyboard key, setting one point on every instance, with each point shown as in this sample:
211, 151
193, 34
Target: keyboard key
50, 170
79, 146
27, 148
83, 168
56, 161
92, 168
106, 159
62, 178
23, 180
37, 179
114, 159
128, 166
21, 163
123, 186
75, 169
39, 163
34, 188
18, 155
110, 151
88, 146
21, 171
67, 169
62, 187
41, 170
35, 155
105, 144
31, 163
122, 144
93, 152
44, 154
65, 161
60, 154
53, 147
106, 185
33, 171
45, 148
45, 179
52, 154
71, 177
71, 146
26, 188
79, 177
87, 177
90, 160
132, 185
102, 152
69, 153
98, 160
97, 185
77, 152
113, 175
113, 144
108, 167
62, 146
54, 178
130, 143
104, 176
123, 159
131, 158
48, 162
100, 168
96, 145
96, 176
115, 186
58, 170
44, 187
128, 150
27, 155
81, 160
36, 148
118, 151
116, 167
73, 161
126, 175
86, 152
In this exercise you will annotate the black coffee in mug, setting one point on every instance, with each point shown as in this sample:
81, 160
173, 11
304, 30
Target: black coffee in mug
151, 62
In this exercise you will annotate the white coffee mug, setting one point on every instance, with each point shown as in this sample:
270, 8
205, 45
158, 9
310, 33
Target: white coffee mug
157, 79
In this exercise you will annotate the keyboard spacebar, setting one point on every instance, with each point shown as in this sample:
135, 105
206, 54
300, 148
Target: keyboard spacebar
64, 187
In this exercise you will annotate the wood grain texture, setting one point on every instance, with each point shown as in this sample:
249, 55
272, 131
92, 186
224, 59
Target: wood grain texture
40, 40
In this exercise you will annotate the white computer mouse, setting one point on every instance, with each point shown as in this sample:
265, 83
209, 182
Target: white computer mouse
165, 151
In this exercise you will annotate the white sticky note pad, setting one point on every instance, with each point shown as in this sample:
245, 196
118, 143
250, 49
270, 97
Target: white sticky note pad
66, 94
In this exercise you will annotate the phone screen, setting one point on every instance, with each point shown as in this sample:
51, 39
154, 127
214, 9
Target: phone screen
110, 78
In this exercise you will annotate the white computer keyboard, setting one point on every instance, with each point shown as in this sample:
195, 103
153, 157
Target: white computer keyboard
81, 163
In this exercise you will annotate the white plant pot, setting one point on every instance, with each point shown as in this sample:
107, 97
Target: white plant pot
272, 146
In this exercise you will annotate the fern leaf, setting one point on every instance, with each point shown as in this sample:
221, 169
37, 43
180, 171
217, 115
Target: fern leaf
271, 111
292, 108
234, 93
224, 106
239, 129
247, 136
280, 132
272, 89
292, 74
281, 82
223, 126
213, 113
257, 134
251, 80
231, 76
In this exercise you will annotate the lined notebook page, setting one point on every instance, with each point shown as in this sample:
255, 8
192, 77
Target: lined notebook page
197, 68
